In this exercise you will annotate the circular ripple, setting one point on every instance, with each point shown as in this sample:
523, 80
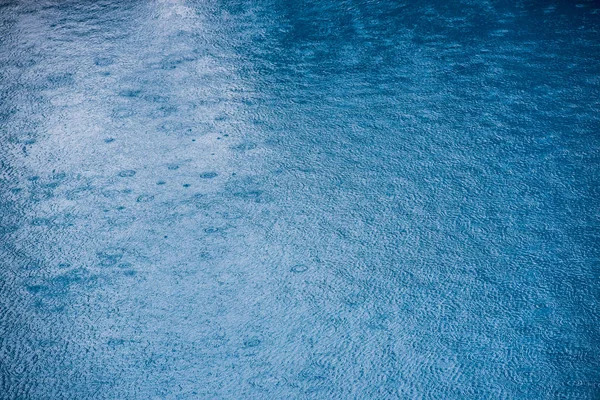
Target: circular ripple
145, 198
78, 193
208, 175
266, 381
252, 342
111, 256
122, 113
127, 173
244, 147
299, 268
103, 61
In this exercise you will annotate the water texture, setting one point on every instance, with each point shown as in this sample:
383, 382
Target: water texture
276, 199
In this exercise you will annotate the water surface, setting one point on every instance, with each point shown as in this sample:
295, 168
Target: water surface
299, 200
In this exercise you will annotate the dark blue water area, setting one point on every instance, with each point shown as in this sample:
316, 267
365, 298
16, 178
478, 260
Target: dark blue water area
274, 199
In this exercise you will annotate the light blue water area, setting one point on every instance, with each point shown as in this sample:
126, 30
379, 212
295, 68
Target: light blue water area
273, 199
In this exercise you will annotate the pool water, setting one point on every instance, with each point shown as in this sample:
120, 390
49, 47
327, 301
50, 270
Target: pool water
274, 199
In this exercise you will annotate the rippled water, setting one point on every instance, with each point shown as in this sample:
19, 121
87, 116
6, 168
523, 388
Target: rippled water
283, 199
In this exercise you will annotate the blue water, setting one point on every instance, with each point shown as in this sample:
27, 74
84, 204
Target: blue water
274, 199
